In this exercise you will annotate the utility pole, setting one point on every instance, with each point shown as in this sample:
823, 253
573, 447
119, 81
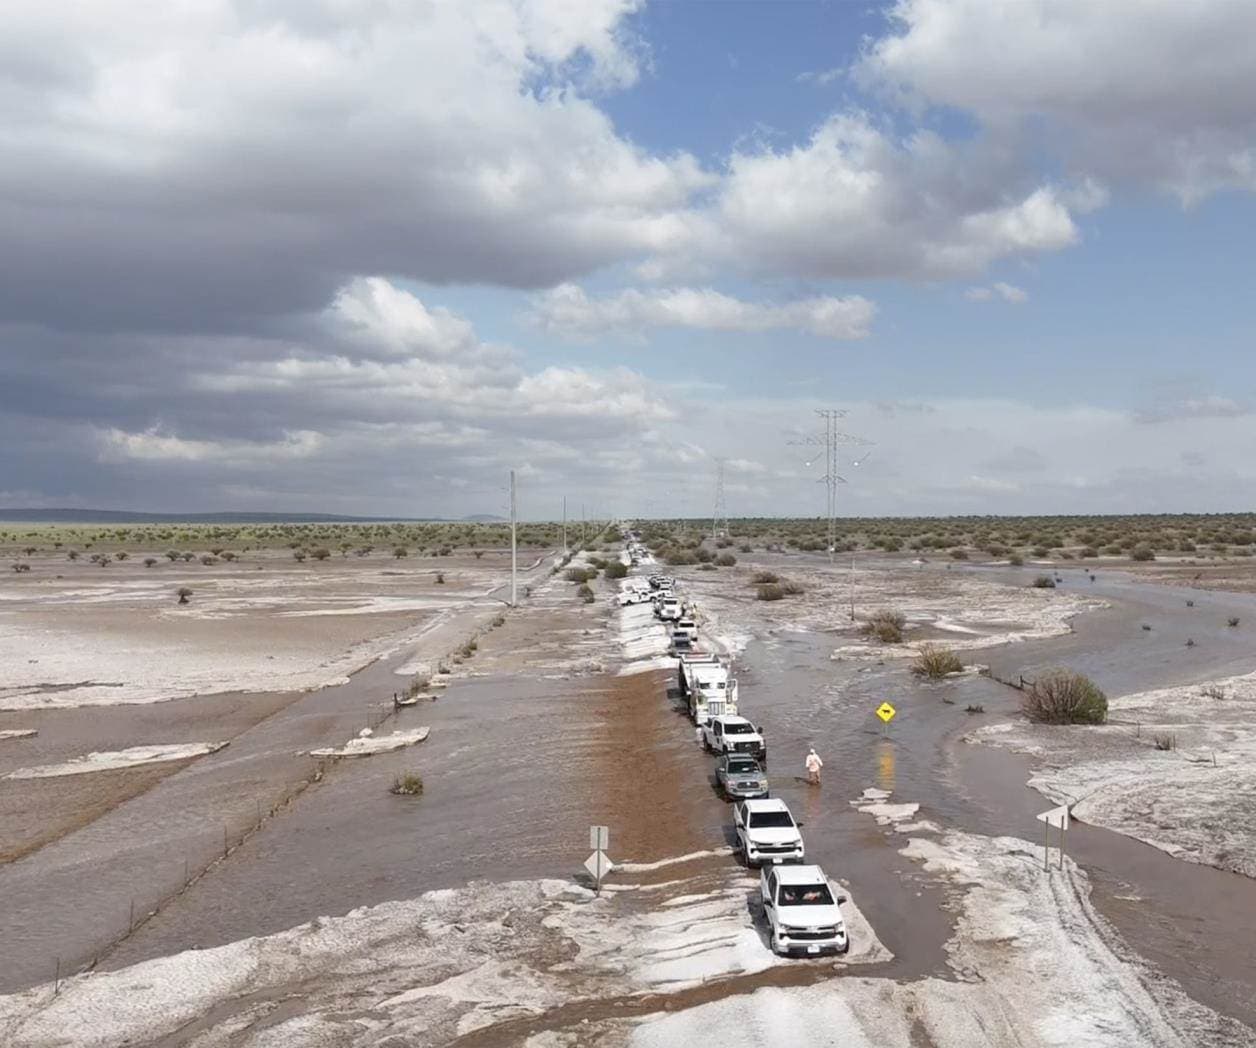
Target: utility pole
514, 545
719, 517
832, 440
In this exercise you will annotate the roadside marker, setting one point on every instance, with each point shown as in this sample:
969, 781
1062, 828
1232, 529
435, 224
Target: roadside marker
599, 864
1055, 817
886, 712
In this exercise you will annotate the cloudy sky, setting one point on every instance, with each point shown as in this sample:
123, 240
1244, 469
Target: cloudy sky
364, 256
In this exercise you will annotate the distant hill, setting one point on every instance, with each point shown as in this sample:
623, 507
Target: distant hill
115, 516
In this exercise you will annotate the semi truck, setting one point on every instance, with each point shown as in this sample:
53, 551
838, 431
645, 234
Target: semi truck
708, 687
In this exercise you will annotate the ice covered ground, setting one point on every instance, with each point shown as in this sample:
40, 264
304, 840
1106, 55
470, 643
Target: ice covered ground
110, 760
367, 745
967, 610
93, 640
1196, 801
421, 971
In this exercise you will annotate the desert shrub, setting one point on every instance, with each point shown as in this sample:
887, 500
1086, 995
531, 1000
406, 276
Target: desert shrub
121, 554
209, 559
745, 547
1016, 560
1186, 547
478, 554
440, 578
72, 555
763, 577
886, 626
710, 566
616, 569
183, 594
1212, 691
1040, 551
1143, 553
149, 561
679, 557
703, 556
1190, 642
974, 707
172, 554
499, 620
959, 553
320, 553
1065, 697
21, 567
1088, 551
580, 574
188, 557
769, 591
1232, 621
725, 560
723, 543
298, 555
1044, 582
1190, 603
584, 593
791, 588
216, 551
936, 662
228, 556
400, 552
890, 543
408, 785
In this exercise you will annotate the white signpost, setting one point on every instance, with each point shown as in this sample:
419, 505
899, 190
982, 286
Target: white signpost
599, 864
1055, 817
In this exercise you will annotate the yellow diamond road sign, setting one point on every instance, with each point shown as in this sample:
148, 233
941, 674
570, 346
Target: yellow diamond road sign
886, 712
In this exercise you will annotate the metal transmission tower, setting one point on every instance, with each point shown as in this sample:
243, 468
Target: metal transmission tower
831, 440
719, 518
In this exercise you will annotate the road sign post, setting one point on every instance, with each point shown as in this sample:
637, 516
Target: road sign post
599, 864
886, 712
1055, 817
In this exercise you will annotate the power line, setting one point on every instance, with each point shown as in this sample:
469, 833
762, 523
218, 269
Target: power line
832, 440
719, 517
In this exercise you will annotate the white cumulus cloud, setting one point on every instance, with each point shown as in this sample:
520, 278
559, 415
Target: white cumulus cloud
568, 310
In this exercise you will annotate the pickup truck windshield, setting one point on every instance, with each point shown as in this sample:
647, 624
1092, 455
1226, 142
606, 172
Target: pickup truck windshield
738, 729
743, 768
806, 895
771, 820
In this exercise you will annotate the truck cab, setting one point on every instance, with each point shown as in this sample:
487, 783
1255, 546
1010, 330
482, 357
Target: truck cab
803, 911
708, 689
729, 733
668, 608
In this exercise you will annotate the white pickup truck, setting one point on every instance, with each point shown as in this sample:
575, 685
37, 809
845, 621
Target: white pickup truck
668, 608
729, 733
766, 832
707, 687
803, 911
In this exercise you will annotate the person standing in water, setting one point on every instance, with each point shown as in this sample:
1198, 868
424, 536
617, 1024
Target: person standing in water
814, 764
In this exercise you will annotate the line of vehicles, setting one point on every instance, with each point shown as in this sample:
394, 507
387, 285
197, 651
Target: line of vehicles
801, 904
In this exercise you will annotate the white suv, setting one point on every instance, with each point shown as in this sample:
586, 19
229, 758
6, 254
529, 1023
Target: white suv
803, 911
767, 832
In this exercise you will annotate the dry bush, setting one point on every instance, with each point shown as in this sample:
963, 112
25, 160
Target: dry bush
886, 626
1212, 691
769, 591
1165, 742
725, 560
183, 592
762, 578
149, 561
580, 574
408, 785
584, 593
1143, 553
1044, 582
791, 588
1065, 697
935, 662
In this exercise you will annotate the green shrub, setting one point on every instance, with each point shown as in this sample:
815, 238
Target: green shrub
936, 662
1065, 697
1089, 551
585, 594
1143, 553
959, 553
615, 569
725, 560
1044, 582
580, 574
1016, 560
